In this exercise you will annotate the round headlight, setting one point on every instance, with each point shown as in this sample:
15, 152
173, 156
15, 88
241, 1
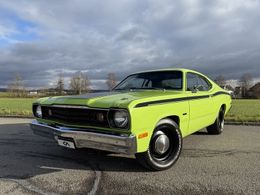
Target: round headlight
121, 118
38, 111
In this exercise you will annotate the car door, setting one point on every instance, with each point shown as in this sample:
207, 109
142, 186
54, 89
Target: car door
200, 102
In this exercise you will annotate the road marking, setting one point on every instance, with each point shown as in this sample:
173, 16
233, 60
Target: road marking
94, 189
54, 168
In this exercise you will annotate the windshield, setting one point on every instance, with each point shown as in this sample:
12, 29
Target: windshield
152, 80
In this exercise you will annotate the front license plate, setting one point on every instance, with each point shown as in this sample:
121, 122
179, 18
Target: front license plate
65, 143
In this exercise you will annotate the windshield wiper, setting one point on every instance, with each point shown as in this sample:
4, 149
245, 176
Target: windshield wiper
146, 88
139, 88
158, 88
119, 89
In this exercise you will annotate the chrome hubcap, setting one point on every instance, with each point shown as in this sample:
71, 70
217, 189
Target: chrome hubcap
161, 143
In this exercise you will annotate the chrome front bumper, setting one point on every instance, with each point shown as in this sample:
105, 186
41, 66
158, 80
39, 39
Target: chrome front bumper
84, 139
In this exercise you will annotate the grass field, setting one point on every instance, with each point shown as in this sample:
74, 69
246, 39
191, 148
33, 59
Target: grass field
242, 110
16, 106
4, 94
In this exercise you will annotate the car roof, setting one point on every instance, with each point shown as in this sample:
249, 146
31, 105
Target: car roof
169, 69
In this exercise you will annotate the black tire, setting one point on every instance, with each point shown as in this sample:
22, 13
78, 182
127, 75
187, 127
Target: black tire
218, 126
160, 157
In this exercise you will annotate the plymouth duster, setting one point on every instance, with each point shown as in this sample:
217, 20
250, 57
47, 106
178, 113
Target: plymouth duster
147, 115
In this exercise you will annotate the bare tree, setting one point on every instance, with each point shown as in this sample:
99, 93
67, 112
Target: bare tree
220, 80
16, 88
85, 84
60, 84
80, 83
75, 83
111, 81
246, 82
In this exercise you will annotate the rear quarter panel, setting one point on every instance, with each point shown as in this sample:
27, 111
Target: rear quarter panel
219, 100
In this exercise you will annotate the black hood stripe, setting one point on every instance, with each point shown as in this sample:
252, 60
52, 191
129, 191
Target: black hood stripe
92, 95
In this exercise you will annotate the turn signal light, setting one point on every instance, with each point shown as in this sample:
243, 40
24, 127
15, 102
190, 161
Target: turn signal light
142, 135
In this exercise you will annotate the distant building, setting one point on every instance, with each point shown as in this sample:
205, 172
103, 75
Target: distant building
33, 93
254, 91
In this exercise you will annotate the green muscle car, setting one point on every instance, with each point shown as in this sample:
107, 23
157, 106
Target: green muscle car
147, 114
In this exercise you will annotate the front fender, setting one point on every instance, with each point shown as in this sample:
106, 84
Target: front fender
144, 119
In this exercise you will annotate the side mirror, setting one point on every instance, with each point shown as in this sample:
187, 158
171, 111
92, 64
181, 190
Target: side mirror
194, 89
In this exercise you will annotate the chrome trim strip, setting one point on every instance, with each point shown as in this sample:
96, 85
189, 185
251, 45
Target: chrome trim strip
120, 144
73, 106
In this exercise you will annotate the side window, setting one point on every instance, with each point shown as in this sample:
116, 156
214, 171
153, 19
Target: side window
195, 80
204, 84
192, 81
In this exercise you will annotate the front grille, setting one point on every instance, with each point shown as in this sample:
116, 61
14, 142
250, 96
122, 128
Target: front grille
76, 116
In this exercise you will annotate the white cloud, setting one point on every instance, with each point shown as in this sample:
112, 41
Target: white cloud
216, 37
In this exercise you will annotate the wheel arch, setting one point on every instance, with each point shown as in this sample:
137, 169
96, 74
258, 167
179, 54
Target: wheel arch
169, 119
174, 120
223, 106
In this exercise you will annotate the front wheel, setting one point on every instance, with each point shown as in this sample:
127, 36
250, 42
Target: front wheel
218, 126
164, 148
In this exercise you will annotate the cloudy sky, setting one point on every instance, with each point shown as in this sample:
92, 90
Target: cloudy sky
40, 39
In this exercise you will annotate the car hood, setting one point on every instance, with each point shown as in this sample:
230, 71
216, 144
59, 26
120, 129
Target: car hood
122, 99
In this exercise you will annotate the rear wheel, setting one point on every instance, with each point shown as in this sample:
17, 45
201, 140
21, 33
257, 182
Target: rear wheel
164, 148
218, 126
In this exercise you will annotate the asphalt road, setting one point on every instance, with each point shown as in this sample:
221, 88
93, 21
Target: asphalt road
224, 164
